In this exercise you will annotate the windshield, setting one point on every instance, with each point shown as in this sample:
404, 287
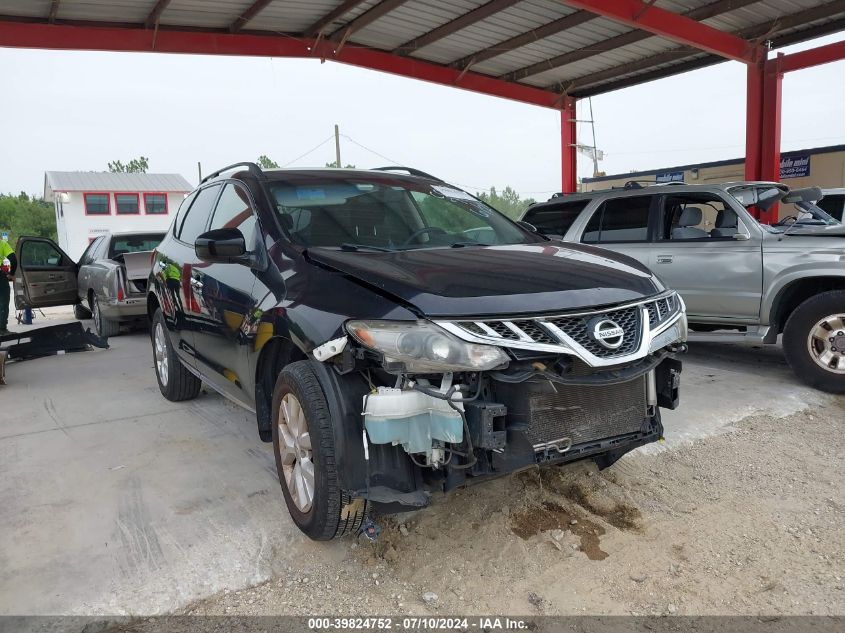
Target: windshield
801, 214
122, 244
389, 215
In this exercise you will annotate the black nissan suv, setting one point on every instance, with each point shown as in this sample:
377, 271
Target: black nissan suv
396, 336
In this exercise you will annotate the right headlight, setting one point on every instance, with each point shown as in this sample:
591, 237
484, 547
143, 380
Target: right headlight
424, 347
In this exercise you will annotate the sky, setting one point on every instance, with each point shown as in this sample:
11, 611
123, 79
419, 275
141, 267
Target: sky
69, 111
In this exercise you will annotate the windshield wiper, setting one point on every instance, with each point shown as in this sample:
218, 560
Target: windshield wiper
462, 244
347, 246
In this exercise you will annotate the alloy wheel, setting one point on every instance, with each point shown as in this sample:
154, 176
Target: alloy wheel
296, 454
160, 352
826, 343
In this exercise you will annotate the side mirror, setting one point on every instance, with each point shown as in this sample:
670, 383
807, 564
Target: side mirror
527, 226
222, 246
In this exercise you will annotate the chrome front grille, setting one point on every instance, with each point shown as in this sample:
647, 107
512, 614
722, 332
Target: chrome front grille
575, 332
579, 330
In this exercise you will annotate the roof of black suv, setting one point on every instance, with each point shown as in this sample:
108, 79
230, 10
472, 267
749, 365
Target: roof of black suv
280, 174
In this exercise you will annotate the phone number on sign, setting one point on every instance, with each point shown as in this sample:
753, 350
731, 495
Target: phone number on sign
388, 623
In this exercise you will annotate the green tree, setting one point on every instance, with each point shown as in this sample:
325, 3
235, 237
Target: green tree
333, 164
508, 202
26, 215
265, 162
135, 166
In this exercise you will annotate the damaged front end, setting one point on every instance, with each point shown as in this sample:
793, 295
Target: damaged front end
446, 401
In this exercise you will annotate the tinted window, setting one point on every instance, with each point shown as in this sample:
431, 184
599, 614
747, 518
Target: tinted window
96, 203
40, 254
183, 209
127, 203
555, 220
155, 203
197, 216
234, 212
88, 254
833, 203
620, 220
122, 244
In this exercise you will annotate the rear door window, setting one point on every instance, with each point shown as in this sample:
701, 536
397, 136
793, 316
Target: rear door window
555, 220
620, 220
196, 218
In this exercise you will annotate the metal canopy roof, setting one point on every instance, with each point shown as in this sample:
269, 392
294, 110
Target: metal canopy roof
564, 48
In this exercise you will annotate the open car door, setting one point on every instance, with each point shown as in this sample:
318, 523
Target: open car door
46, 276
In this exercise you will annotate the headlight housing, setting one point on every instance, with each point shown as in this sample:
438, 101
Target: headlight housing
424, 347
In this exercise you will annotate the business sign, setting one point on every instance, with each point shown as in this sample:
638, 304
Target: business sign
670, 176
795, 166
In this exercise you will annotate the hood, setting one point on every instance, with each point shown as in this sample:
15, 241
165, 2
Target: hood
833, 230
515, 279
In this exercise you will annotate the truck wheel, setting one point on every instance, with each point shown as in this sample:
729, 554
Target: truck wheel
303, 442
174, 381
814, 341
81, 312
105, 327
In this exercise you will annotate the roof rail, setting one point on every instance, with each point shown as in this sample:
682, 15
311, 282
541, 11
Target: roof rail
410, 170
254, 169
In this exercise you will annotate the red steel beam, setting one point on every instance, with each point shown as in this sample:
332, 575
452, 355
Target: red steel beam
568, 150
674, 26
812, 57
771, 128
77, 37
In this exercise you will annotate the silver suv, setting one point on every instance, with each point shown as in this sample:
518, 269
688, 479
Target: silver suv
741, 280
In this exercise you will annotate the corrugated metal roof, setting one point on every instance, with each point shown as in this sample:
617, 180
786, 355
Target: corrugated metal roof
577, 56
108, 181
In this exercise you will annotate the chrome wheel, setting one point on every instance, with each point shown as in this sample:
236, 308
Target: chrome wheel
826, 343
160, 353
295, 449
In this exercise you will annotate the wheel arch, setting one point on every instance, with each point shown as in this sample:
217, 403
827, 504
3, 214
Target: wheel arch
152, 305
275, 354
796, 292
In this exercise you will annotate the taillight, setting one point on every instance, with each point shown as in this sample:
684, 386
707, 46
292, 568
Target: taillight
120, 294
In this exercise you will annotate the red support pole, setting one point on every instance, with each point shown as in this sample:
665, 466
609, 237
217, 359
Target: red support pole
771, 128
568, 154
754, 120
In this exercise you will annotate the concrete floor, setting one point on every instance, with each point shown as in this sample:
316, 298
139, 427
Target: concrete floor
114, 500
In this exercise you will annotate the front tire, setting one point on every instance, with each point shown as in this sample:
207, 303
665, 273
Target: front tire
174, 381
105, 327
814, 341
303, 442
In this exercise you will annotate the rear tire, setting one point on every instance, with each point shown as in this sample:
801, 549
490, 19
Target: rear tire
174, 381
105, 327
807, 341
81, 312
303, 441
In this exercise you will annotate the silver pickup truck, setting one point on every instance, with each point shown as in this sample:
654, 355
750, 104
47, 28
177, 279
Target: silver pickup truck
741, 280
109, 283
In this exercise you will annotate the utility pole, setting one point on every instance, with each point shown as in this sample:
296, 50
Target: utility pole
595, 147
337, 146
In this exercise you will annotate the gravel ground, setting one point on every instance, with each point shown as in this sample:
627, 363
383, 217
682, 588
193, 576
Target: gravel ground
744, 523
748, 522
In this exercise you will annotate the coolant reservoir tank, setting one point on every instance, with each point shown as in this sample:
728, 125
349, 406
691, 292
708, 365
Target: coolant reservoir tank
410, 418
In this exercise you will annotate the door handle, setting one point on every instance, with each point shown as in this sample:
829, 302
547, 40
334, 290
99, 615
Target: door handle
664, 259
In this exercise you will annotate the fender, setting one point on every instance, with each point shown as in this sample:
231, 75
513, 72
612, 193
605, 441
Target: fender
809, 272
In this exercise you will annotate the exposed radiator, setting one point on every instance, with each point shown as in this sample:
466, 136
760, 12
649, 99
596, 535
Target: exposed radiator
586, 413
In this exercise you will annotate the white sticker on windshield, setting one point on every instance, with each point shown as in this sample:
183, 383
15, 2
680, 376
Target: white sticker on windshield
451, 192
